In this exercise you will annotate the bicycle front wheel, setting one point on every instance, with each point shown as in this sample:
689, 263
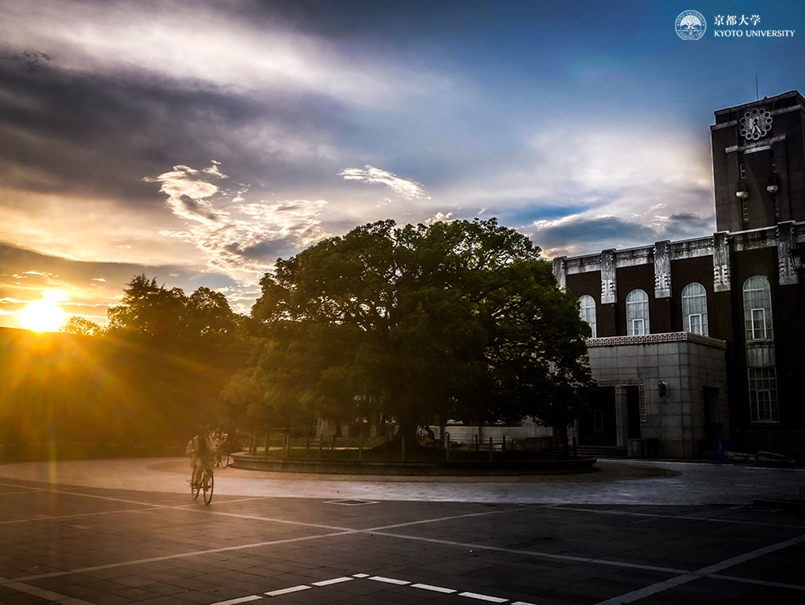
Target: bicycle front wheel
194, 489
207, 486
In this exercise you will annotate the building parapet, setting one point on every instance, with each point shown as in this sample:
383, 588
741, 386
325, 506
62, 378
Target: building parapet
691, 248
650, 339
785, 236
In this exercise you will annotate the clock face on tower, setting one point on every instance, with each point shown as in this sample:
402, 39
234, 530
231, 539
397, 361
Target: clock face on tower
755, 124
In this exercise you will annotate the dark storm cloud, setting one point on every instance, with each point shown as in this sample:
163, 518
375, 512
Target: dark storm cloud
687, 225
592, 230
99, 135
582, 235
267, 251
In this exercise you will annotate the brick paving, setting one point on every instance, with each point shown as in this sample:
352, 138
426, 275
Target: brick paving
74, 544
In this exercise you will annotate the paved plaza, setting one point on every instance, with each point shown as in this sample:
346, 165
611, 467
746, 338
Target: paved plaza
123, 531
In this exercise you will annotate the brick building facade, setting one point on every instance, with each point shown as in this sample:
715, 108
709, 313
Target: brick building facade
702, 339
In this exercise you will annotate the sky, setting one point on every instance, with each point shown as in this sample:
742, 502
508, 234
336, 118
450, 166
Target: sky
197, 141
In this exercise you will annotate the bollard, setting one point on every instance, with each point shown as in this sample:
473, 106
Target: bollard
321, 444
490, 449
268, 446
503, 446
287, 444
447, 447
360, 446
402, 451
333, 446
477, 441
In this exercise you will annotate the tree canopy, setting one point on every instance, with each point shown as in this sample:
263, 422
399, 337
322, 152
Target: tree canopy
461, 319
151, 310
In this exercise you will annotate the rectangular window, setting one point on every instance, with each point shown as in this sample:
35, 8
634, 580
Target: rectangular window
695, 323
742, 169
763, 395
758, 324
745, 208
638, 327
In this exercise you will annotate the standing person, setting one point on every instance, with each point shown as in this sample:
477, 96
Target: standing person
202, 454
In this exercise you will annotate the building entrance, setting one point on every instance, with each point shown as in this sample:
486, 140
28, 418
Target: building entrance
598, 426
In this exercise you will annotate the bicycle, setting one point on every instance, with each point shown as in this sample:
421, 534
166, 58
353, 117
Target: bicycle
206, 485
222, 456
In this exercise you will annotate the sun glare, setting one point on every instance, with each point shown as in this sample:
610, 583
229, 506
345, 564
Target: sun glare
42, 315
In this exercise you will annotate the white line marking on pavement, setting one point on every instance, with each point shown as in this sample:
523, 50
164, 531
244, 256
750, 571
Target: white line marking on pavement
434, 588
27, 491
389, 580
653, 589
482, 597
42, 593
219, 501
253, 597
760, 582
207, 511
184, 555
276, 593
532, 553
677, 517
53, 518
333, 581
360, 575
491, 512
522, 603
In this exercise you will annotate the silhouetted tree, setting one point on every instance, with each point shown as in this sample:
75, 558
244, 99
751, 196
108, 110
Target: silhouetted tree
460, 319
81, 326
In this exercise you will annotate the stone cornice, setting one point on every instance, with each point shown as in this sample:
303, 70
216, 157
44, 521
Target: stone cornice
650, 339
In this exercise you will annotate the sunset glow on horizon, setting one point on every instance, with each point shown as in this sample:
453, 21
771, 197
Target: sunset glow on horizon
132, 149
43, 315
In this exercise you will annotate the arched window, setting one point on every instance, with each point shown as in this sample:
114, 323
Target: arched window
757, 308
637, 313
587, 311
694, 309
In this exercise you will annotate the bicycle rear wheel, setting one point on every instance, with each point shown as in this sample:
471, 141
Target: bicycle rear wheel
207, 485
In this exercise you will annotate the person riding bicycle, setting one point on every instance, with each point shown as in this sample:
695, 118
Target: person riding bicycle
202, 455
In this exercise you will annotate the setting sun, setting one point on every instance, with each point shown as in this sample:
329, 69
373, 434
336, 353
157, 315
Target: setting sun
42, 315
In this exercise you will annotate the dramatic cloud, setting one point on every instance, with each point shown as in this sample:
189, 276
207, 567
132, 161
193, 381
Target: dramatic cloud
578, 235
205, 43
240, 239
581, 138
405, 189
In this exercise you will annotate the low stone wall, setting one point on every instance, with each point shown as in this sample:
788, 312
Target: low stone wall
358, 467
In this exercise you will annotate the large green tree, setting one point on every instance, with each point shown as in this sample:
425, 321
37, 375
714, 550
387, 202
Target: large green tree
460, 319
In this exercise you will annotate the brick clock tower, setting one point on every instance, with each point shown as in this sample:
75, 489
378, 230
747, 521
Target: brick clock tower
759, 163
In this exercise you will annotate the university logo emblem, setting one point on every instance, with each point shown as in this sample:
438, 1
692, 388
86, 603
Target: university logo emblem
690, 25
